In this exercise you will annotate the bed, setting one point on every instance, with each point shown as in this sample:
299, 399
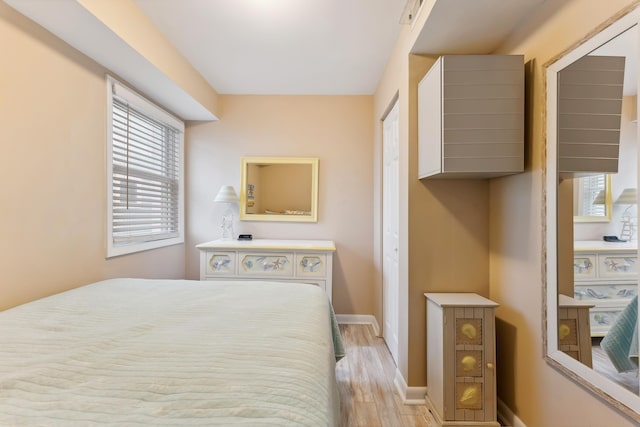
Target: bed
171, 352
621, 341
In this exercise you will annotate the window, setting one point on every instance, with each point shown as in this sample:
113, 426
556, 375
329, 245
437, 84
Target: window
592, 189
146, 189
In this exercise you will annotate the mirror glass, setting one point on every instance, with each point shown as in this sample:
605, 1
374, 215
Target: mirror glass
591, 246
592, 198
279, 189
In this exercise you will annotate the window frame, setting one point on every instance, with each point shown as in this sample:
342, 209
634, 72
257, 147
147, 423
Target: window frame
157, 113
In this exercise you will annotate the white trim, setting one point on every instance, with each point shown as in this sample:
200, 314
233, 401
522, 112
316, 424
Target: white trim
409, 395
506, 414
143, 104
359, 319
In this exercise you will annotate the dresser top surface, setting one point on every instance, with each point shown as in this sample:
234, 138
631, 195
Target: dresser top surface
309, 245
568, 302
460, 299
601, 245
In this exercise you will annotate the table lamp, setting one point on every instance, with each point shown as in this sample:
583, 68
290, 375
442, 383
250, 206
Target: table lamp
228, 196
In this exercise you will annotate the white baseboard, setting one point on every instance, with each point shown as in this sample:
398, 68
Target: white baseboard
359, 319
506, 414
409, 395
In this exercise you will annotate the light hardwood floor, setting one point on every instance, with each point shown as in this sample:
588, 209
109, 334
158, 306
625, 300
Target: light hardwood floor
365, 375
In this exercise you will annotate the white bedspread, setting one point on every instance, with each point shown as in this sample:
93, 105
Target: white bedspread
164, 352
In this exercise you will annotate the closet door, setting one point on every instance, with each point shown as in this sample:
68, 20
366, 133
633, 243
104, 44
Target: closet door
390, 224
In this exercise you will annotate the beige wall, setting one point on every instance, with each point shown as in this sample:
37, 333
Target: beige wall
337, 130
444, 237
53, 196
449, 235
506, 235
537, 393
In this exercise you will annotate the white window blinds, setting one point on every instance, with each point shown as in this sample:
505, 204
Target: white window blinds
146, 190
593, 192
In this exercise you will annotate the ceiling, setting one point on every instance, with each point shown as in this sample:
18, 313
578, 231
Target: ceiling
319, 46
472, 27
282, 46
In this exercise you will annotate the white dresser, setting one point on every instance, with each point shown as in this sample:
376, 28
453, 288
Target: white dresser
605, 275
306, 261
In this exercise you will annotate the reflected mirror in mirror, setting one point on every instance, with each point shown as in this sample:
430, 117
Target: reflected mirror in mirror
591, 284
279, 189
592, 198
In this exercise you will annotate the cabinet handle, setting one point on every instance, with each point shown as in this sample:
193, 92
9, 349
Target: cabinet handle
489, 365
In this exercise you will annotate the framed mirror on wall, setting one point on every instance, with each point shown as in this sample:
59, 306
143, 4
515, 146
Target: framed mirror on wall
592, 198
279, 189
591, 285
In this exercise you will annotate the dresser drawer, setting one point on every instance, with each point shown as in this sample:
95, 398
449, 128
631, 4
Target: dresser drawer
584, 266
600, 293
220, 263
266, 265
618, 265
601, 319
311, 265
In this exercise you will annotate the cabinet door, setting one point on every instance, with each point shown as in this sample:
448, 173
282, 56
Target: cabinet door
430, 122
474, 358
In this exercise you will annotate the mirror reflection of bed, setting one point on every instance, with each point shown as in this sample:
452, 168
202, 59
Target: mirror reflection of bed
597, 312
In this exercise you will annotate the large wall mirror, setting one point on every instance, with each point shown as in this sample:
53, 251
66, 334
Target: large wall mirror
279, 189
591, 302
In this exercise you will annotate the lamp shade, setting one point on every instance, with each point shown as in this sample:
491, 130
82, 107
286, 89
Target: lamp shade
600, 198
226, 195
629, 196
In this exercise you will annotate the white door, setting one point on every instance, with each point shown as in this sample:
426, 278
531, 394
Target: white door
390, 226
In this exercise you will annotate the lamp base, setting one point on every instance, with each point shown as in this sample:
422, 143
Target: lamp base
227, 227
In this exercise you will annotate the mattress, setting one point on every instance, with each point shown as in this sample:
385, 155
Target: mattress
132, 352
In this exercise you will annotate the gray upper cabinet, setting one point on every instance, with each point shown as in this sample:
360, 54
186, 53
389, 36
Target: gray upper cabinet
471, 117
589, 112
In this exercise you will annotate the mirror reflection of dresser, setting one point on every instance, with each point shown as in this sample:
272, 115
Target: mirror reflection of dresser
605, 275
